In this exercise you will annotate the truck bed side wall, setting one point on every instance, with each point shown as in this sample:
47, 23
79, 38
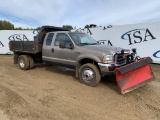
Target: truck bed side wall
25, 46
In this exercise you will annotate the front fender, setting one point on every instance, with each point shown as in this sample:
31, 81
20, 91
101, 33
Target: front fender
83, 56
88, 56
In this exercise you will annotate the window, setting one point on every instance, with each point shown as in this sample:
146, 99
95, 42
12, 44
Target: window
62, 36
82, 39
49, 39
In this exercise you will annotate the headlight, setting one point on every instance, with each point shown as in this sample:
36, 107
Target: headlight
107, 59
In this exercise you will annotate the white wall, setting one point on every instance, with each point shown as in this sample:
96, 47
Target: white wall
17, 35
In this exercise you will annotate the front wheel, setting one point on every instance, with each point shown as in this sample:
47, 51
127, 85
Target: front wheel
89, 74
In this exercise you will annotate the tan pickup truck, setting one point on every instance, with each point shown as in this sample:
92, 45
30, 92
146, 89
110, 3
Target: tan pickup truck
57, 46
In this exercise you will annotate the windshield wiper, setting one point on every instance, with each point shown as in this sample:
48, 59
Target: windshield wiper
84, 44
88, 44
93, 44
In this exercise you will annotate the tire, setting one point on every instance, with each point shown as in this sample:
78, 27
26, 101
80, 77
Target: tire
89, 74
15, 58
23, 62
31, 62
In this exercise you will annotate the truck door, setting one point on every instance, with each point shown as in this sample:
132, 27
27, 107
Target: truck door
53, 53
63, 55
47, 50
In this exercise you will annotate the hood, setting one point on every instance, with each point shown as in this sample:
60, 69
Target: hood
102, 48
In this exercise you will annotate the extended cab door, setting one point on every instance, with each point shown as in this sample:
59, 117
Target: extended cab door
47, 50
55, 54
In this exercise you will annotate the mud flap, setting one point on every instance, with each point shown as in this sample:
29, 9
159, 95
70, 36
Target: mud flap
134, 75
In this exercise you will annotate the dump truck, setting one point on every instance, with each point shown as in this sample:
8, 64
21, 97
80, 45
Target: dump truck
79, 51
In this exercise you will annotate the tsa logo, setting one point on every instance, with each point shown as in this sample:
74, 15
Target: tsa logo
157, 54
18, 37
137, 36
1, 44
105, 42
35, 32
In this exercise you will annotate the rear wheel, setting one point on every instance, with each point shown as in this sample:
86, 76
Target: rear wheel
15, 58
23, 62
89, 74
31, 62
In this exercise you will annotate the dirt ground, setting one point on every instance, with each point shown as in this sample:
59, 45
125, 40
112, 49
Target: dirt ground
53, 93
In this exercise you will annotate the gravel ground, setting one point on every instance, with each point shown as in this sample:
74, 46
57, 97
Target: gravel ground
53, 93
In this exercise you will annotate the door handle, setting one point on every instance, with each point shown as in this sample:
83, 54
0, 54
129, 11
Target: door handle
78, 52
52, 50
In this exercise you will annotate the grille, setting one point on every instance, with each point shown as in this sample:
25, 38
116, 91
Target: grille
119, 59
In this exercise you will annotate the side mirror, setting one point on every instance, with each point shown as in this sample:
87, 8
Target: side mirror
62, 44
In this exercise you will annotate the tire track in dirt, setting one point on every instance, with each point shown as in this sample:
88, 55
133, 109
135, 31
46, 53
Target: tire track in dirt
47, 93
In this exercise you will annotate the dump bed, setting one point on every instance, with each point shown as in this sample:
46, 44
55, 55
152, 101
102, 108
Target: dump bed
22, 46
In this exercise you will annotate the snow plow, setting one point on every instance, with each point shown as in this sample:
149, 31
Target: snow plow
134, 75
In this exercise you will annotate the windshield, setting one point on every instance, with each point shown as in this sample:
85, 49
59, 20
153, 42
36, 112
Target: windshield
82, 39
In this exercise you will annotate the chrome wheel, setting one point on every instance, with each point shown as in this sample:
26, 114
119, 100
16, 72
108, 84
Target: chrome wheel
21, 63
88, 75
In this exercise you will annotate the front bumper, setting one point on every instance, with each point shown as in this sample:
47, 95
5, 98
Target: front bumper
107, 69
